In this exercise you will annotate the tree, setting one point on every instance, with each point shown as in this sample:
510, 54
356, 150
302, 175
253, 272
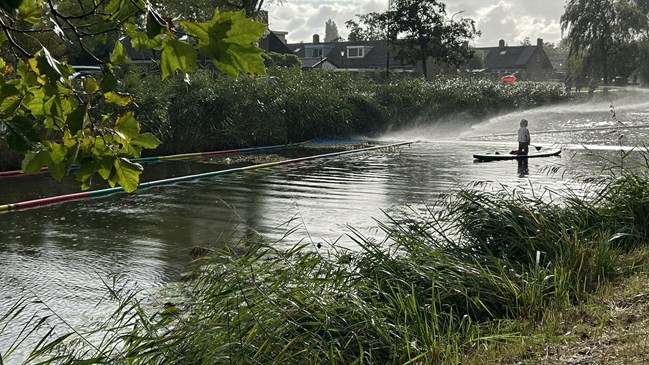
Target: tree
204, 9
601, 31
525, 42
419, 30
51, 117
331, 31
369, 27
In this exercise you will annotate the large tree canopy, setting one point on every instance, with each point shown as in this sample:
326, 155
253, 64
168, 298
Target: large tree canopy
204, 9
50, 116
603, 36
418, 30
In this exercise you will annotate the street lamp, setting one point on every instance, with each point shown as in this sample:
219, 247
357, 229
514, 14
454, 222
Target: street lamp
459, 12
342, 56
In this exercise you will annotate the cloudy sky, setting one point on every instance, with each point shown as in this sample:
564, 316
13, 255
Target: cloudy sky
511, 20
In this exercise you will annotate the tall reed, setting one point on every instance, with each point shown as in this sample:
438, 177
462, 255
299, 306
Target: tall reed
441, 285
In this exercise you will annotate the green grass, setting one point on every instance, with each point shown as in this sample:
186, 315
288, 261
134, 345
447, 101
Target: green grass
469, 277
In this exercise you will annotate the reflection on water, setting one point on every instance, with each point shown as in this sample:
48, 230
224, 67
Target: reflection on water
523, 168
61, 252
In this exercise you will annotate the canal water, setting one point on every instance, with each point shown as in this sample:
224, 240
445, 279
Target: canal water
62, 254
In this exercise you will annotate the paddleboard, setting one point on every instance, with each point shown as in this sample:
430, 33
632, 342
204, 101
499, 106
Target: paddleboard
506, 156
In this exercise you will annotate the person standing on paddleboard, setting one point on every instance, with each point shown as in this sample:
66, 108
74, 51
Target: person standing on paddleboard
523, 138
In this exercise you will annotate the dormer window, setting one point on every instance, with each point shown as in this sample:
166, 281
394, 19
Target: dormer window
314, 52
356, 52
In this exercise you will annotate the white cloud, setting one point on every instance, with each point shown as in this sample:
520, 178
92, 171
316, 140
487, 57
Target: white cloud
512, 20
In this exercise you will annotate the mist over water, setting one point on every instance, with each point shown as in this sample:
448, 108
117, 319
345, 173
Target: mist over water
62, 252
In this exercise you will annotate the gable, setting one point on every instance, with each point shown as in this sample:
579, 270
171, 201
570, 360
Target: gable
271, 43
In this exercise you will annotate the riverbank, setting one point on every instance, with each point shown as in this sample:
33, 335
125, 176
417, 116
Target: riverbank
486, 277
611, 327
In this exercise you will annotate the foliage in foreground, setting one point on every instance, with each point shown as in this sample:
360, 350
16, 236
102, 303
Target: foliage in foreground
51, 116
440, 287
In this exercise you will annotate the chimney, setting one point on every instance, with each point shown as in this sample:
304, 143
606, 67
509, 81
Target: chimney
501, 43
539, 42
316, 39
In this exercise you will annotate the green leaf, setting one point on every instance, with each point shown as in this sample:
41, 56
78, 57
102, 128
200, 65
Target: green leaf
53, 109
119, 54
3, 38
177, 55
34, 161
120, 99
58, 153
105, 167
108, 82
27, 75
140, 41
127, 126
50, 67
228, 40
30, 11
153, 24
77, 119
126, 174
57, 170
21, 134
122, 10
87, 168
10, 99
146, 140
37, 101
90, 85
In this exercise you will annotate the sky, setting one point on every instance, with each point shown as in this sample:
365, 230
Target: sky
511, 20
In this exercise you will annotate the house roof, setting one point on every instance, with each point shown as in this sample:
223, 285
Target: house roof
375, 54
511, 57
272, 43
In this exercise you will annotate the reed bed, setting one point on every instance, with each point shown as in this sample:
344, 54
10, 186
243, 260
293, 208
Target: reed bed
217, 112
291, 106
442, 286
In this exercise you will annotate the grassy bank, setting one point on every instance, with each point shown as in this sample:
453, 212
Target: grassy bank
468, 282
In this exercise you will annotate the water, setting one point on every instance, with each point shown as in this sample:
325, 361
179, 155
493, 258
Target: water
63, 253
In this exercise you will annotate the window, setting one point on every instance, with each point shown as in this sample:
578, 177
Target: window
315, 52
355, 52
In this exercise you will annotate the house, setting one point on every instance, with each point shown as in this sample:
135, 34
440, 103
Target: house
275, 41
357, 56
525, 62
